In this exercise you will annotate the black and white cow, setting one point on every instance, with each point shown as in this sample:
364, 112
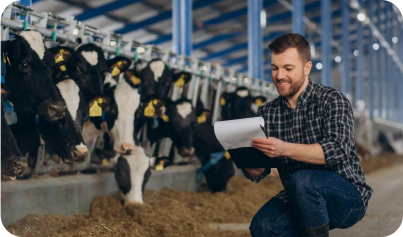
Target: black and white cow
177, 123
12, 161
132, 166
237, 105
32, 91
216, 164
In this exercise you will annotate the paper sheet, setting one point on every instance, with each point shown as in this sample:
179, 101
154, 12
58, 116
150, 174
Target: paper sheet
239, 133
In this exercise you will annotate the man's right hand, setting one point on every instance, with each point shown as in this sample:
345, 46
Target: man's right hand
255, 172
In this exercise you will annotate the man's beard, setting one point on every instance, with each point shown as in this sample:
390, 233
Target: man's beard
294, 88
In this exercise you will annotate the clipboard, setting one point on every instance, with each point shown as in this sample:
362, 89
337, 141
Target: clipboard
236, 135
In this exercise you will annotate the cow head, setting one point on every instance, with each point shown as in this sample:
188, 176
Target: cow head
181, 120
29, 76
12, 161
118, 65
156, 79
237, 105
120, 117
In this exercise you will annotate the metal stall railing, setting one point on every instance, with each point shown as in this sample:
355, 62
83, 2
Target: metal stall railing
69, 32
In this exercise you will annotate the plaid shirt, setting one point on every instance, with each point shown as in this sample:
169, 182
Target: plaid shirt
323, 115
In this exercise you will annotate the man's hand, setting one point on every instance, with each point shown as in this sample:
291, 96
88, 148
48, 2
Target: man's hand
272, 147
255, 172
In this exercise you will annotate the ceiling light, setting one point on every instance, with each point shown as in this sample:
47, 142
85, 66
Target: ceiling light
319, 66
337, 59
375, 46
361, 17
141, 50
356, 53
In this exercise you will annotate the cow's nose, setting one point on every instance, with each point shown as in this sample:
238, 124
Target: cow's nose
127, 148
57, 110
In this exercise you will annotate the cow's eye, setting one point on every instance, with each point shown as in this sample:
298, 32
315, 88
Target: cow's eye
24, 67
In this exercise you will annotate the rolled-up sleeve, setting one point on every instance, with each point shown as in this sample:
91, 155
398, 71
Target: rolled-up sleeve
338, 131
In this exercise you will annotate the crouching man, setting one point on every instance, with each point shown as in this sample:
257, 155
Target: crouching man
311, 131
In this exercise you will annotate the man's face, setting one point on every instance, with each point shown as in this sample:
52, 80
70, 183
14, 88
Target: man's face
289, 72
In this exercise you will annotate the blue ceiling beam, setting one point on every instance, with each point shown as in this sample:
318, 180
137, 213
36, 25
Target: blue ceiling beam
35, 1
161, 17
160, 40
235, 61
239, 47
102, 10
214, 40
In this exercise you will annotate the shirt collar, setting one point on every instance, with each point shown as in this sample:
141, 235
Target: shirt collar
307, 95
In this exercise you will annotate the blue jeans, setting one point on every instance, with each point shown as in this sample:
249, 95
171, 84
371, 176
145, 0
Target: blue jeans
317, 198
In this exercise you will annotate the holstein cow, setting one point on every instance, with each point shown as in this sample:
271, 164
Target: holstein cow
216, 164
28, 76
12, 161
132, 169
237, 105
178, 123
92, 69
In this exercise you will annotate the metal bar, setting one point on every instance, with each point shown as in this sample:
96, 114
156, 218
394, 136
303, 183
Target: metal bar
297, 17
102, 10
326, 47
182, 27
346, 86
389, 69
255, 39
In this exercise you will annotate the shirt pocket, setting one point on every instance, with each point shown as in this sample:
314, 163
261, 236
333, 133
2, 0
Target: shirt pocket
313, 127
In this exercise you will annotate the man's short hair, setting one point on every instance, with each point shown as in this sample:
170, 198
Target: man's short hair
292, 40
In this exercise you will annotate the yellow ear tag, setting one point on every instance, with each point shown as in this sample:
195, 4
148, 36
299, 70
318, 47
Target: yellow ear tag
227, 155
160, 166
95, 110
149, 111
155, 102
115, 71
201, 119
165, 118
181, 81
8, 60
63, 68
4, 59
119, 63
60, 58
105, 161
135, 80
222, 101
258, 102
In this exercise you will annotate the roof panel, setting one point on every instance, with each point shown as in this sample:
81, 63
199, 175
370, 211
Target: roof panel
135, 12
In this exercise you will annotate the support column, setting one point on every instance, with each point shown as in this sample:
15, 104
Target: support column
182, 27
370, 63
326, 9
381, 62
255, 40
298, 17
346, 84
359, 82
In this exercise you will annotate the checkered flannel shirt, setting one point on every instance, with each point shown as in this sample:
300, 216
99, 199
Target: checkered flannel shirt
323, 115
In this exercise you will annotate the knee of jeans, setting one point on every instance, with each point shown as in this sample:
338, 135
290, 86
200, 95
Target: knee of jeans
300, 181
261, 226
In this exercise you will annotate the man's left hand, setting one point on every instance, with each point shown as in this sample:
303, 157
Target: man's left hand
271, 147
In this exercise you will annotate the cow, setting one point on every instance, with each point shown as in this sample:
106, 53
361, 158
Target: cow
38, 104
132, 166
12, 161
216, 164
177, 123
92, 69
237, 105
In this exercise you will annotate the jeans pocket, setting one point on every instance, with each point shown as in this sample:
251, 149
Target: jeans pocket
354, 216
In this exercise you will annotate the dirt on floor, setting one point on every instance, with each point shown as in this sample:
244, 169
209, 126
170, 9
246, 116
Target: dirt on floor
169, 212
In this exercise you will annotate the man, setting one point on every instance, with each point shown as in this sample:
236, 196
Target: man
310, 129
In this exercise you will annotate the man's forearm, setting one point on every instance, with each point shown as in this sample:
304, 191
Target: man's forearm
311, 153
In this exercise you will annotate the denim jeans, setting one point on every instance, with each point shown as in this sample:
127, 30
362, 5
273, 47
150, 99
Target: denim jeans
317, 197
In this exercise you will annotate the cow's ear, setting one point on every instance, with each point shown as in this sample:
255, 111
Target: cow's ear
62, 54
118, 65
181, 78
132, 78
259, 100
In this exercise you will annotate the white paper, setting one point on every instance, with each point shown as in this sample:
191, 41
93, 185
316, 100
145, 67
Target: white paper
239, 133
